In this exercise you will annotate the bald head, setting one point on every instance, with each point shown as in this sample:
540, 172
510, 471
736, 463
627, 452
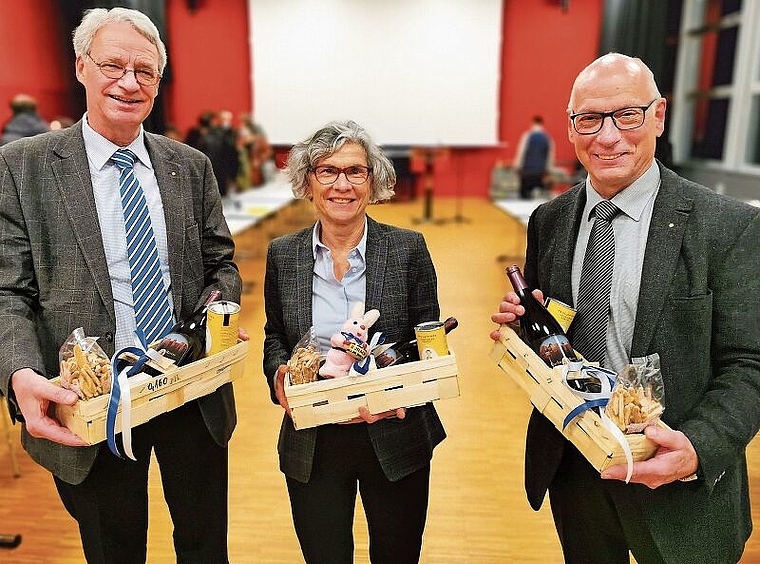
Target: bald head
23, 103
613, 74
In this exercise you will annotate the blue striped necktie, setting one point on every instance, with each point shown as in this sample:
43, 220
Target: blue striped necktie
592, 319
153, 314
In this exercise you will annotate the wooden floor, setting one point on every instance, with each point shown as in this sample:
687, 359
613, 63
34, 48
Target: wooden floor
478, 512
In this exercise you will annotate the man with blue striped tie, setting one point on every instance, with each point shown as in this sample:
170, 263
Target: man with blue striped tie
108, 227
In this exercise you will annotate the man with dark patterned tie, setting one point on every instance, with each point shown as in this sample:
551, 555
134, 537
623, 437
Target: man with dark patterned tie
654, 264
108, 227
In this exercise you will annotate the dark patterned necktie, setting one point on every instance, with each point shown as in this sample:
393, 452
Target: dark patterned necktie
592, 319
152, 312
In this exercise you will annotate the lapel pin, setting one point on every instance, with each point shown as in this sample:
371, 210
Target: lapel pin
671, 224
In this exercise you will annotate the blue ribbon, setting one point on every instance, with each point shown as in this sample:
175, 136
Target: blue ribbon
117, 366
600, 399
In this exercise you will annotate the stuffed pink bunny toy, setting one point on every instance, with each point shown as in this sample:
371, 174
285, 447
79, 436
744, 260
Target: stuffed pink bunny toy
350, 345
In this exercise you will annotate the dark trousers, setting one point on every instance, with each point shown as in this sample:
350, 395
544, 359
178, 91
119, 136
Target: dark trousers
111, 505
528, 182
598, 521
323, 508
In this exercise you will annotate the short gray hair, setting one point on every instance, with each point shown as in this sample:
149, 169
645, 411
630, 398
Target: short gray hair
305, 155
96, 18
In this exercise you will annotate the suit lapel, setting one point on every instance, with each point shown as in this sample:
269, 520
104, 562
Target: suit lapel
304, 281
669, 219
565, 230
377, 253
72, 175
176, 197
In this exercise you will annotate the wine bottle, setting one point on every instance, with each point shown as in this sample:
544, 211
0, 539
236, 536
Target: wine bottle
407, 351
540, 330
186, 341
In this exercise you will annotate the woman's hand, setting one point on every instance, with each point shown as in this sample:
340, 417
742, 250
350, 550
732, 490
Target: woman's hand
366, 417
279, 388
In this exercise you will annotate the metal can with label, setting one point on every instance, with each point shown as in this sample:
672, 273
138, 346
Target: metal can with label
431, 340
221, 326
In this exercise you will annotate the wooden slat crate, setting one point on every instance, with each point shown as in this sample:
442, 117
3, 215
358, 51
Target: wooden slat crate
553, 398
338, 399
152, 396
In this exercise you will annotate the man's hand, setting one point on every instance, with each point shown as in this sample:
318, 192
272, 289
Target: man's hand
510, 310
36, 398
675, 459
242, 334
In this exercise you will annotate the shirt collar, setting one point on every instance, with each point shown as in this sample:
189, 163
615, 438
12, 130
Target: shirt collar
316, 243
633, 199
100, 150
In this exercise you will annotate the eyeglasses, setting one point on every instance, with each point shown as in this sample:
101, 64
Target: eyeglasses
356, 174
145, 75
624, 119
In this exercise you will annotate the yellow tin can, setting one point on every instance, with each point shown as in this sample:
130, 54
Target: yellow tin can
221, 326
431, 340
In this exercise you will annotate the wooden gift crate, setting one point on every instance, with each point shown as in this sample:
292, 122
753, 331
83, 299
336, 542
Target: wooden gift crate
338, 399
154, 395
555, 400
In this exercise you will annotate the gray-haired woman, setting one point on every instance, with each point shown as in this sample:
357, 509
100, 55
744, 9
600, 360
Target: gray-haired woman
313, 277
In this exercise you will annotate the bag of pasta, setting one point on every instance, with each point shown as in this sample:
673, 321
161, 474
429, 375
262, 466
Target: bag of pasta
637, 398
85, 368
303, 366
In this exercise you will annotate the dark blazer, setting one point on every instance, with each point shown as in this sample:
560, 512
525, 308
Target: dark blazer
53, 272
402, 285
698, 309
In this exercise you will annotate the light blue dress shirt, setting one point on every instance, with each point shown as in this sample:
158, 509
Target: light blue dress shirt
332, 299
631, 228
105, 185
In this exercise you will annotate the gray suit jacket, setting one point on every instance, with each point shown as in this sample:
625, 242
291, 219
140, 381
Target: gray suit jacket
402, 285
53, 272
698, 309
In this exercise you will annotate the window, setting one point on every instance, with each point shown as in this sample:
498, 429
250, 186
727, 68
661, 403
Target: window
717, 93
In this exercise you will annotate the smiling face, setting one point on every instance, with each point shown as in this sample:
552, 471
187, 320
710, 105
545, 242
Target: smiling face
117, 107
614, 158
341, 203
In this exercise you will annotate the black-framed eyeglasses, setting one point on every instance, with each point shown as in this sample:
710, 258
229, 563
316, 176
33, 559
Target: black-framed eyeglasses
588, 123
328, 174
143, 75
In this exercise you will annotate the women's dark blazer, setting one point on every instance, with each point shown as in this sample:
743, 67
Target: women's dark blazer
699, 309
53, 271
402, 285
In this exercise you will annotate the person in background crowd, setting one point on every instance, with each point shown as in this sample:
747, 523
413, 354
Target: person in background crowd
535, 156
61, 122
258, 154
313, 278
25, 121
64, 264
684, 281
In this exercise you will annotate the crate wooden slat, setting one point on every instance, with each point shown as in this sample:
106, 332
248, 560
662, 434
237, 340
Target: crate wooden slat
152, 396
406, 385
551, 396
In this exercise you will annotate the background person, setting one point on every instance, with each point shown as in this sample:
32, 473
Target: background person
64, 264
535, 156
685, 278
313, 277
25, 121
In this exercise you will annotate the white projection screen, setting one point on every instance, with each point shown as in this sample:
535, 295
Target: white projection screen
413, 72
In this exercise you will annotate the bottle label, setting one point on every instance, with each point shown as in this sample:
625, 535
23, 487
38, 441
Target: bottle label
174, 346
554, 349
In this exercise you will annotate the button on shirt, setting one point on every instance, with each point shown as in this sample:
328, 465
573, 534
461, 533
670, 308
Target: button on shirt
105, 183
332, 299
631, 227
